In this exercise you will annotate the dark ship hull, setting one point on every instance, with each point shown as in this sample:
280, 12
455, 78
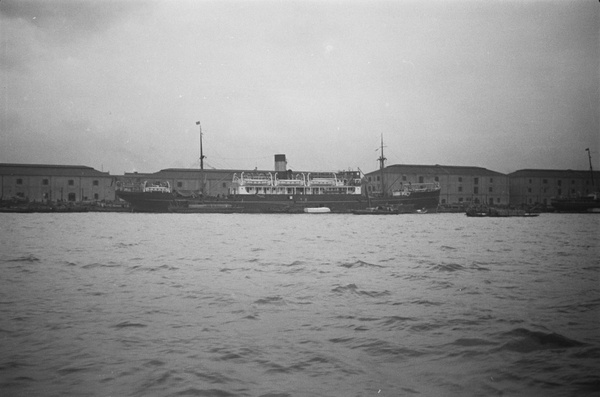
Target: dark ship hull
578, 204
274, 203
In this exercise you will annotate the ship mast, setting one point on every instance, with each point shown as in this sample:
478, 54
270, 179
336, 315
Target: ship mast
591, 169
202, 157
381, 160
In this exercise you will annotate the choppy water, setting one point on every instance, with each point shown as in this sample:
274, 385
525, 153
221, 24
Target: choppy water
299, 305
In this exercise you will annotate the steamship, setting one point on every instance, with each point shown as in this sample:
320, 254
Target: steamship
285, 191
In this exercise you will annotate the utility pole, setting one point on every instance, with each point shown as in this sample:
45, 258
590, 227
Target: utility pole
381, 160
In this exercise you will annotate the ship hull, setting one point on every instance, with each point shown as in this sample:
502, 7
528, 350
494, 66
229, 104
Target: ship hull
147, 201
582, 204
275, 203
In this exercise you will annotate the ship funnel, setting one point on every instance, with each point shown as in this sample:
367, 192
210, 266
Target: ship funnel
280, 163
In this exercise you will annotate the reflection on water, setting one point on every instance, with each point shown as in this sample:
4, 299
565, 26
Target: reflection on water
298, 305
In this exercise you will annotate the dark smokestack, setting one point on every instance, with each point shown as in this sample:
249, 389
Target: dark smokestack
280, 163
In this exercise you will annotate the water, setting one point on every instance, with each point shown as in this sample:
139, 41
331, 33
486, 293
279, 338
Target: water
299, 305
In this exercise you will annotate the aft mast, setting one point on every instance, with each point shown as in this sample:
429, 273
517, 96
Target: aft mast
381, 160
591, 169
202, 157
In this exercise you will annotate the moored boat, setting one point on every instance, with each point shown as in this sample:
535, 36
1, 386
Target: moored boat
284, 191
589, 203
479, 211
317, 210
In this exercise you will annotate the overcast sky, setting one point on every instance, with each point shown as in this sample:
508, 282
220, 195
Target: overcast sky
119, 85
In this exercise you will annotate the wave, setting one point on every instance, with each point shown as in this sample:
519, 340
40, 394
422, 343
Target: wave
359, 263
470, 342
526, 341
378, 348
271, 300
447, 267
100, 265
353, 289
127, 324
27, 258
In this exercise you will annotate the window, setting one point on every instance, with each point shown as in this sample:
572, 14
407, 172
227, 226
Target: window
45, 182
72, 197
21, 194
46, 196
559, 182
460, 199
572, 181
96, 196
19, 181
404, 178
460, 178
437, 178
378, 178
476, 181
530, 181
491, 189
224, 184
95, 183
498, 200
71, 183
544, 181
460, 188
528, 190
476, 190
491, 180
559, 192
180, 184
421, 179
369, 179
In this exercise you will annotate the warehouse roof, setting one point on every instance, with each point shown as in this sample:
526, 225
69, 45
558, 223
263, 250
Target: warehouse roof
439, 170
49, 170
546, 173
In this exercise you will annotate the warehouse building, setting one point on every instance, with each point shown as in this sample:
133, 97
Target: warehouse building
535, 186
191, 181
53, 183
459, 185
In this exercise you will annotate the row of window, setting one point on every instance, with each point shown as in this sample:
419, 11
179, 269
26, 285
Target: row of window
476, 189
180, 184
70, 182
558, 191
558, 182
475, 200
437, 179
70, 196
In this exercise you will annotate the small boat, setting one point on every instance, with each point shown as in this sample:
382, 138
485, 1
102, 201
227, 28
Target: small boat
484, 211
384, 210
317, 210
